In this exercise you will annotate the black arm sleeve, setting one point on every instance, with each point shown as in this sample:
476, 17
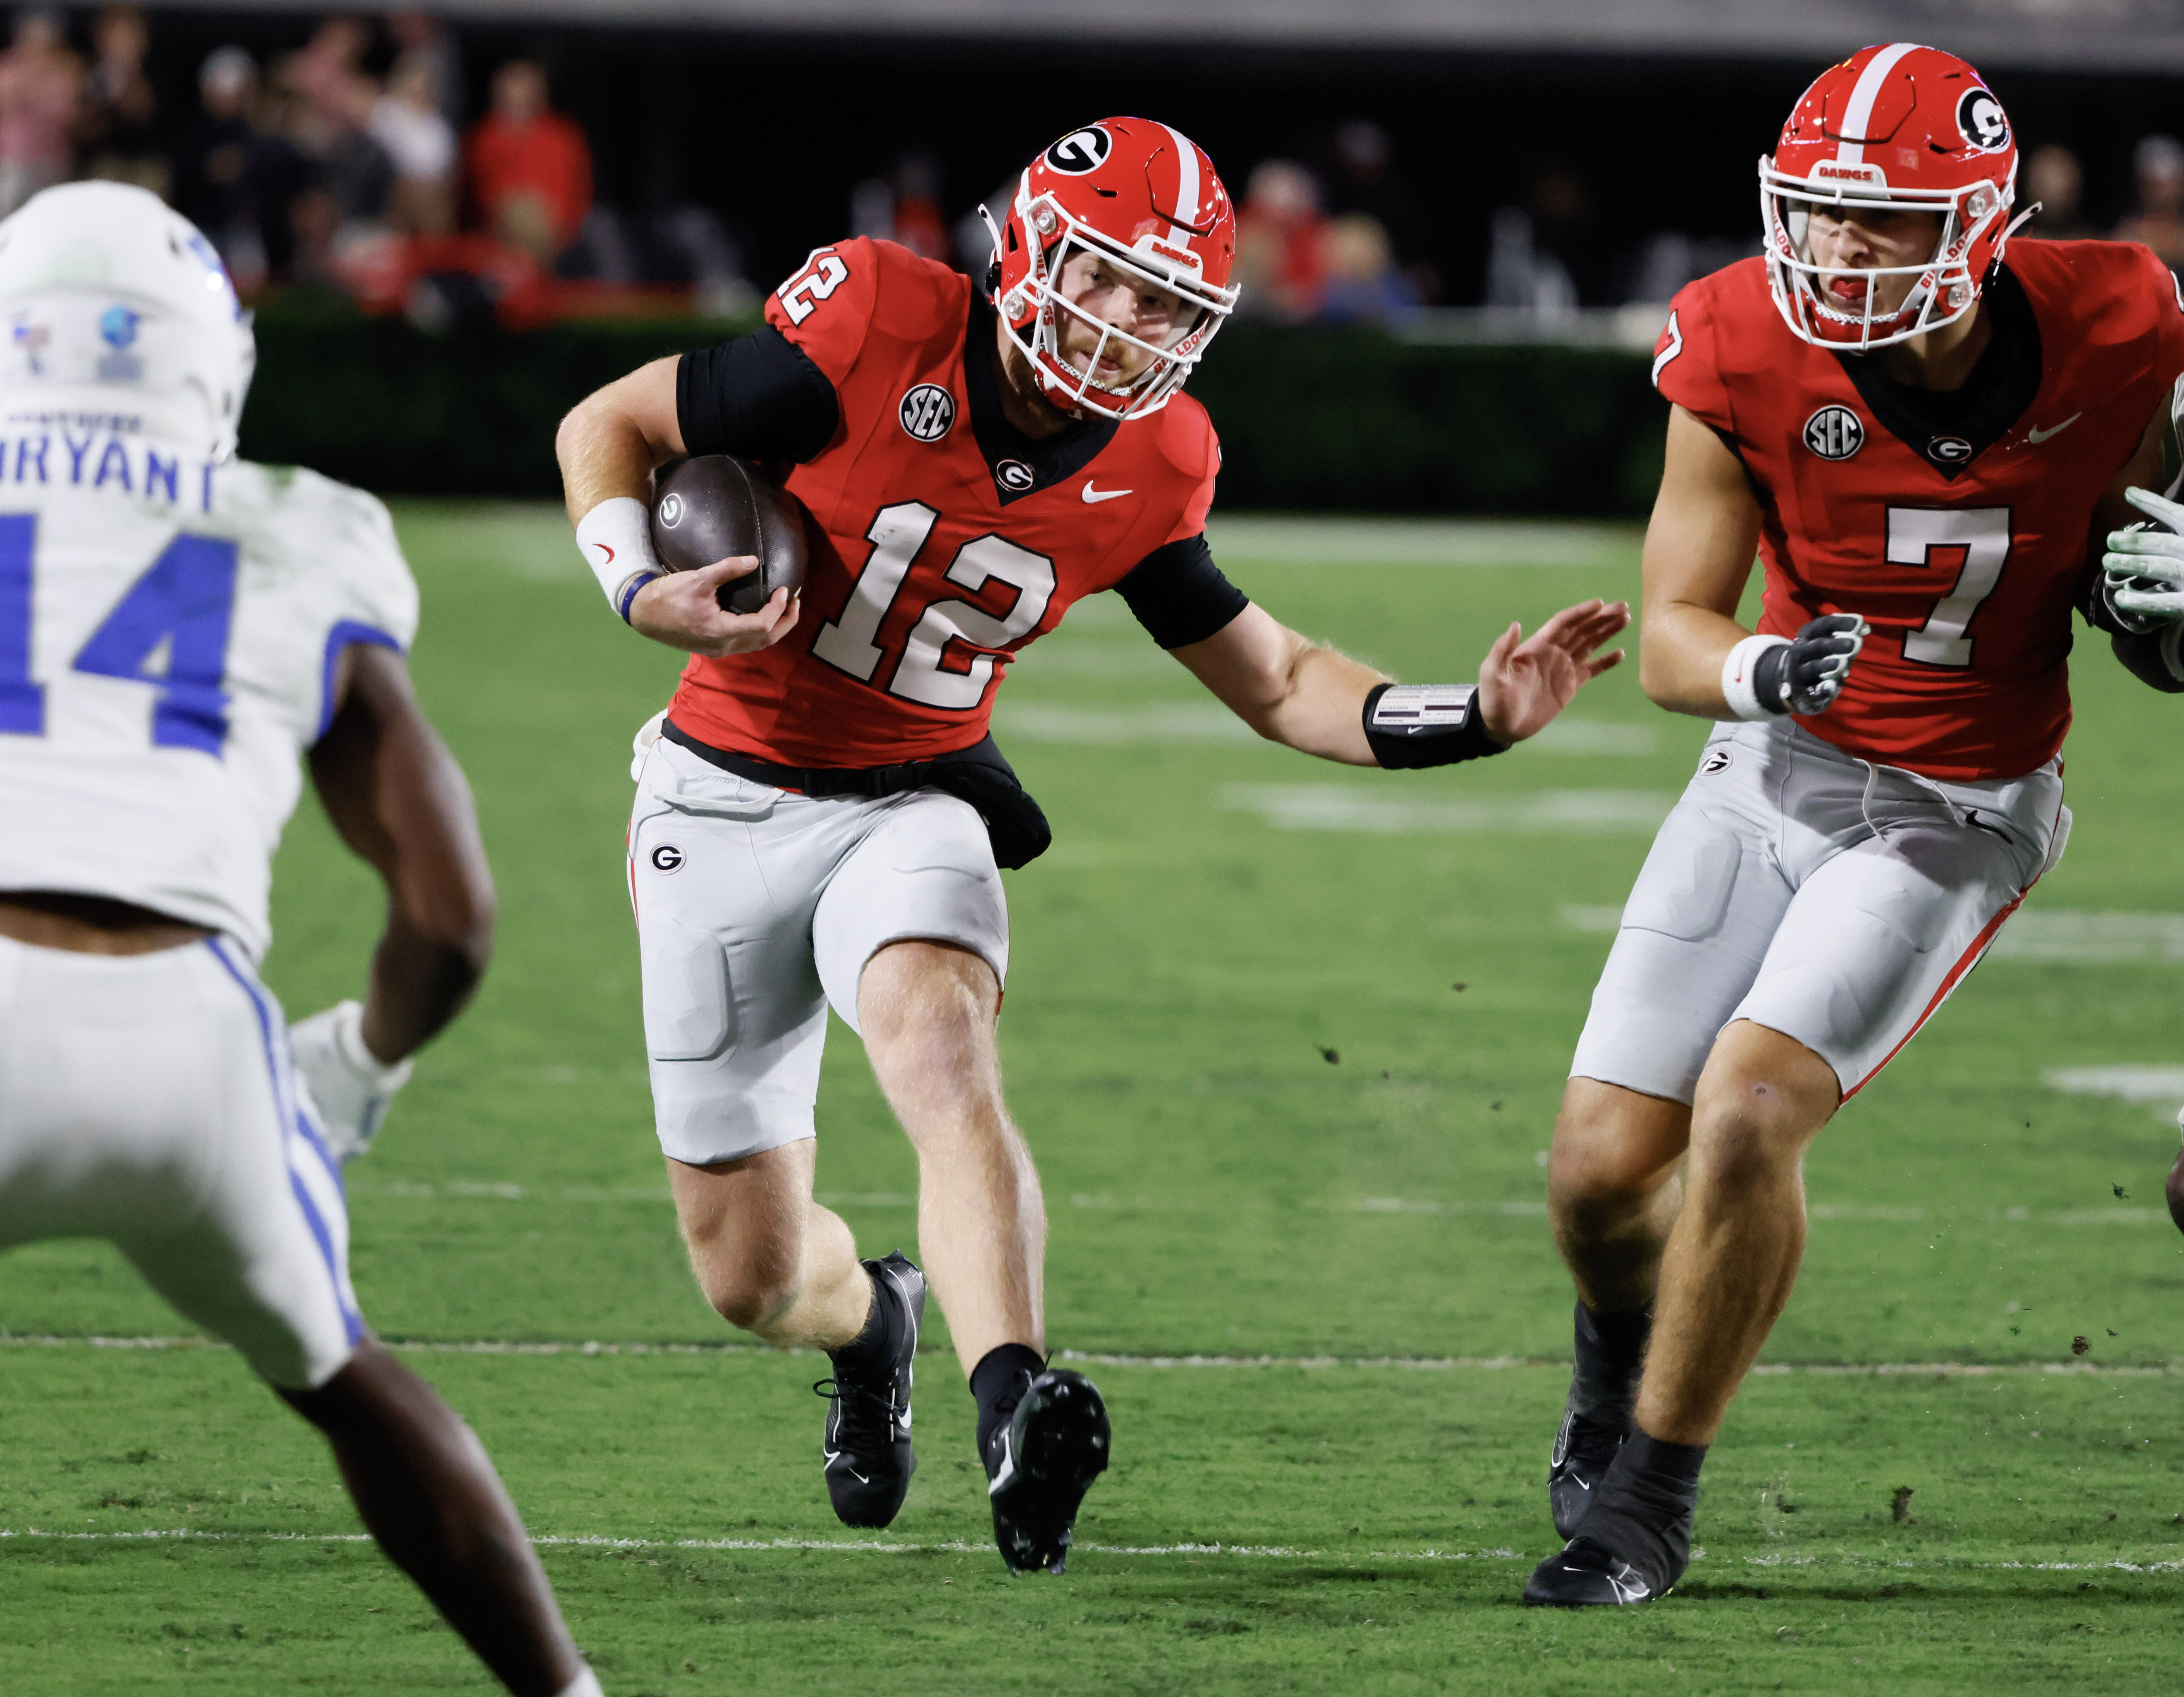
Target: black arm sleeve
1179, 594
758, 397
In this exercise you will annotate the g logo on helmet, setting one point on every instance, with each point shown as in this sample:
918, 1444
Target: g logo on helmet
1980, 117
1085, 150
670, 511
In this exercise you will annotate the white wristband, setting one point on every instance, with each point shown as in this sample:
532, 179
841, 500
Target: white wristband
1737, 673
616, 539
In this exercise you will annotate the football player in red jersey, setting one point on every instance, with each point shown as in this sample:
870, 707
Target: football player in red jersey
1918, 438
821, 811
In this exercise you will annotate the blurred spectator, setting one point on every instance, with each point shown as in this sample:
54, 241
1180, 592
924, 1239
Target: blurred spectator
2054, 181
417, 139
903, 206
1365, 180
2158, 163
423, 41
1666, 261
1363, 286
233, 180
1522, 278
41, 96
529, 168
1281, 257
337, 217
122, 141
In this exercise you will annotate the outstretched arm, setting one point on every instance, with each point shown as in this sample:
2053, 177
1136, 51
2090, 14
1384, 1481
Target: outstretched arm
1310, 697
398, 799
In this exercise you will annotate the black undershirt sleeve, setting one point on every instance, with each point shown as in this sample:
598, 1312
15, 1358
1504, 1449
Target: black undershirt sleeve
1179, 595
758, 397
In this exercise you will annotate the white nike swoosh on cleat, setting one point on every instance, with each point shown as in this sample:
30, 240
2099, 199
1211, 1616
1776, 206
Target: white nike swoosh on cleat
1007, 1470
1093, 497
2037, 437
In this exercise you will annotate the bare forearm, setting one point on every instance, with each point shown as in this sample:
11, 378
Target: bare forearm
1682, 649
604, 445
419, 983
1322, 710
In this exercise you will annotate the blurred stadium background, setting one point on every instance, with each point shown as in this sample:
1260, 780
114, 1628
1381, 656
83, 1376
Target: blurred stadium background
1462, 220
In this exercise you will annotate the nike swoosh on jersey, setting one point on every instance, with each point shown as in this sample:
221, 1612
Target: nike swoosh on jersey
2037, 437
1093, 497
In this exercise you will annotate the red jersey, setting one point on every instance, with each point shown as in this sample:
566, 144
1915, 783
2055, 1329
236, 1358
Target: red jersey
1956, 523
947, 541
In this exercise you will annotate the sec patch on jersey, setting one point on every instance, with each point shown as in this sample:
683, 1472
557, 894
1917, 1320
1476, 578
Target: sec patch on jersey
715, 506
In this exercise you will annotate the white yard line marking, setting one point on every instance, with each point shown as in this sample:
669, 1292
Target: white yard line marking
1431, 1364
1194, 1552
1344, 808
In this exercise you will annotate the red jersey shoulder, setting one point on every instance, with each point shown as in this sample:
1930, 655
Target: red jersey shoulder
850, 294
1177, 452
1712, 323
2103, 292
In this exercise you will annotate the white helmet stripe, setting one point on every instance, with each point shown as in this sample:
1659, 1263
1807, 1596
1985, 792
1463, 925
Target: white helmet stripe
1186, 164
1870, 81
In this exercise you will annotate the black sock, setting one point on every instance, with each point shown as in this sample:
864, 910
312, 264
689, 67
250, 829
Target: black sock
866, 1355
1642, 1509
999, 1383
1611, 1355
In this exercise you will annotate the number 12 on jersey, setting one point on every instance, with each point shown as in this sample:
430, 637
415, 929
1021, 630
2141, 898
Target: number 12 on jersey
851, 643
186, 602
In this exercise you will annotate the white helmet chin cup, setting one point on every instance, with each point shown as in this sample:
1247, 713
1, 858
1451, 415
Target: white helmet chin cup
116, 311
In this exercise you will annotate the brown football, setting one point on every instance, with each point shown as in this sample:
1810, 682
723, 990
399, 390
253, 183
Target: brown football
714, 505
2177, 1191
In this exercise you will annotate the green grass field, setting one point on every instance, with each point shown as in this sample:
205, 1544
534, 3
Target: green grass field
1287, 1040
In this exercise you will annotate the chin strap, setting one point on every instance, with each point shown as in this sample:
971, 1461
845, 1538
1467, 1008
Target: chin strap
993, 270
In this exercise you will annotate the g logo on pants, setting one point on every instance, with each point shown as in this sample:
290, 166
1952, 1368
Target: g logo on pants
668, 858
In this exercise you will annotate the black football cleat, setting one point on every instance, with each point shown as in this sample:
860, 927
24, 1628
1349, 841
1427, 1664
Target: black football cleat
869, 1459
1587, 1575
1039, 1465
1585, 1448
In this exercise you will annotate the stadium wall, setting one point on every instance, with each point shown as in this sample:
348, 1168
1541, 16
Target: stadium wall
1337, 420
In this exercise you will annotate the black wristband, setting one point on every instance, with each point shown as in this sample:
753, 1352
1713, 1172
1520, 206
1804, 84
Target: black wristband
1412, 725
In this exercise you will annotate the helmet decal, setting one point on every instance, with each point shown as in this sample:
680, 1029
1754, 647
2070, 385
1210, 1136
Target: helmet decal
1980, 117
118, 326
1080, 151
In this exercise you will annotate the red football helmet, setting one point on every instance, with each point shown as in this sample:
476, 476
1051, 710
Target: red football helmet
1902, 128
1144, 198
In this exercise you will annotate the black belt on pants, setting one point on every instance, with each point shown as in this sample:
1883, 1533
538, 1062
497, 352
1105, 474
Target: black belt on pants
979, 774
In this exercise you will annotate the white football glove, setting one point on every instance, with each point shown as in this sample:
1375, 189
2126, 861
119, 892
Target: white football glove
350, 1087
2143, 570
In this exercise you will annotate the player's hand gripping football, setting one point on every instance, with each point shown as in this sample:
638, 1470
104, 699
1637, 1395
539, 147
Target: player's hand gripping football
2143, 572
1523, 684
679, 609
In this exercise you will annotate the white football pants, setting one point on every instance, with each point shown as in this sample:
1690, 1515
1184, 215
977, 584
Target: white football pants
150, 1100
756, 908
1804, 889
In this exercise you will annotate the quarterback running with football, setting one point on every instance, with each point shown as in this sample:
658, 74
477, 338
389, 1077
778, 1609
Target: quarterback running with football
820, 813
1919, 438
177, 627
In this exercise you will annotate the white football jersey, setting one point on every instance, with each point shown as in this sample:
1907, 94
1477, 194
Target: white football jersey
168, 631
